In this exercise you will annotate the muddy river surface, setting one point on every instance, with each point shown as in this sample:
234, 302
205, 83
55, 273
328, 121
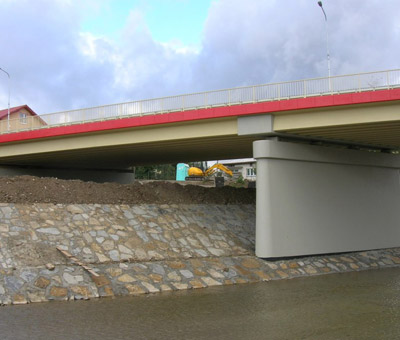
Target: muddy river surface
359, 305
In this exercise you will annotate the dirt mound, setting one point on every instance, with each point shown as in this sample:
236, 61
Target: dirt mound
28, 189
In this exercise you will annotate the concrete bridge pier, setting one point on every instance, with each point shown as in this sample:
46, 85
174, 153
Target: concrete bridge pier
316, 200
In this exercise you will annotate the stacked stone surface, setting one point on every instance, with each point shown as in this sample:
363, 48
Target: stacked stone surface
104, 233
143, 249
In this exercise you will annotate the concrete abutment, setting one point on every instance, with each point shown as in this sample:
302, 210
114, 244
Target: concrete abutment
122, 176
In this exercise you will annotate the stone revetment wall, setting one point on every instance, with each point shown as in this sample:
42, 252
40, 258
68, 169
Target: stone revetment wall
142, 249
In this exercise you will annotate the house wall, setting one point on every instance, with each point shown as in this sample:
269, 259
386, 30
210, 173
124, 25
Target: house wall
16, 123
241, 170
244, 172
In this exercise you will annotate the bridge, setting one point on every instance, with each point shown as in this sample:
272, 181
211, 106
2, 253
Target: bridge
326, 149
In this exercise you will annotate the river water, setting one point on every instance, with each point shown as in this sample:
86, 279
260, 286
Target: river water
358, 305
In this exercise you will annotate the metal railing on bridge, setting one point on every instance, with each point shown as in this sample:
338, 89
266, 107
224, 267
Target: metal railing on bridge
242, 95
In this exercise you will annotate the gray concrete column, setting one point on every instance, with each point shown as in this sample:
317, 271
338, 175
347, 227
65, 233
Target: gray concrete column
263, 213
314, 199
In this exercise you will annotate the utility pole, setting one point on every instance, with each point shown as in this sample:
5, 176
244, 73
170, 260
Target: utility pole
327, 40
8, 114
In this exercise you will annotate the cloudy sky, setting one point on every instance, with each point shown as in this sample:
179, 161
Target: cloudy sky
65, 54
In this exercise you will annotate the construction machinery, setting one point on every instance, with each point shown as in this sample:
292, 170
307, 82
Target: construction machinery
198, 174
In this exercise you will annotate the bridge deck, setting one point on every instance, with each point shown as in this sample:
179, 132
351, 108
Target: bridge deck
278, 93
369, 115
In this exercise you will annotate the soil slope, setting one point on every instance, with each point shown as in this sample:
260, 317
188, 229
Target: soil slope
28, 189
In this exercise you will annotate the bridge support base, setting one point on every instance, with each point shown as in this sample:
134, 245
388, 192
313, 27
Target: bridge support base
82, 174
314, 199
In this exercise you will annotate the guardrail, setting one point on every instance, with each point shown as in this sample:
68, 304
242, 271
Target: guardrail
250, 94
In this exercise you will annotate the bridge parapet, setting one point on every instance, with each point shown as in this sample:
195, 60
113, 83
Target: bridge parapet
371, 81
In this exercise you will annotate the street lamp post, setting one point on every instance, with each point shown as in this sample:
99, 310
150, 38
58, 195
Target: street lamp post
327, 40
8, 113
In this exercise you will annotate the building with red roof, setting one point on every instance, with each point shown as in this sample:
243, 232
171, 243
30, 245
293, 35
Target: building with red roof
21, 118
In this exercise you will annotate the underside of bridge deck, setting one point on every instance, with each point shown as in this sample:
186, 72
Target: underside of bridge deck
124, 148
370, 124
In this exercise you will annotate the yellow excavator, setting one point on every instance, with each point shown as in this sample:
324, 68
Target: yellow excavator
198, 174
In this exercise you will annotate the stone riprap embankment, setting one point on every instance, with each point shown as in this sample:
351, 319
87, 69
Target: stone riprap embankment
142, 249
113, 233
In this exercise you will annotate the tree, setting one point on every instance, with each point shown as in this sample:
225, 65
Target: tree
156, 172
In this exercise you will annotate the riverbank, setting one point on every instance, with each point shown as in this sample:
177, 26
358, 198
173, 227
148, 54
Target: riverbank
355, 305
140, 249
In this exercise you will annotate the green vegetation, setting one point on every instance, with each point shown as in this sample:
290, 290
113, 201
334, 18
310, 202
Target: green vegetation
240, 180
156, 172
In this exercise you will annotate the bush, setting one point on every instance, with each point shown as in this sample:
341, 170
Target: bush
240, 180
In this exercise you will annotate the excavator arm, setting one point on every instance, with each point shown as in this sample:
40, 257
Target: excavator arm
219, 166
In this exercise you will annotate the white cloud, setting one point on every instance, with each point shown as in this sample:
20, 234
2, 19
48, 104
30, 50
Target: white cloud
262, 41
55, 66
43, 56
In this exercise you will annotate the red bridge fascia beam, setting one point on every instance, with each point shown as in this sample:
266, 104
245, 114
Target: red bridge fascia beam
208, 113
